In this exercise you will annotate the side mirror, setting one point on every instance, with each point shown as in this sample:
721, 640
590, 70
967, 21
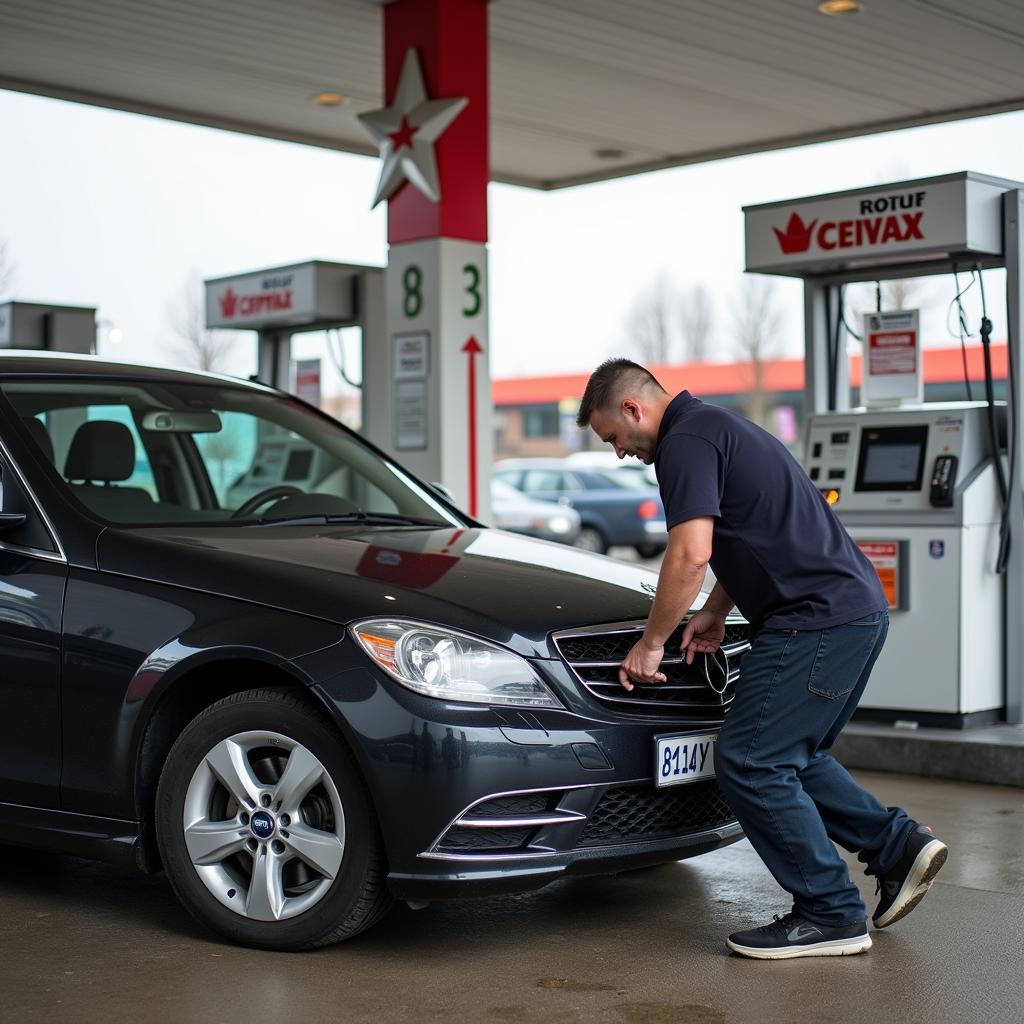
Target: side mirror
8, 520
444, 492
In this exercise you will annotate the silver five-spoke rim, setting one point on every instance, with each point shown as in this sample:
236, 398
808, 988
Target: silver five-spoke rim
264, 825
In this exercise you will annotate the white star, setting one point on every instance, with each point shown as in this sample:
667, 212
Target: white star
406, 132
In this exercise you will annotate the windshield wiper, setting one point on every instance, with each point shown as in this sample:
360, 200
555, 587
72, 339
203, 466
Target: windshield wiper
356, 518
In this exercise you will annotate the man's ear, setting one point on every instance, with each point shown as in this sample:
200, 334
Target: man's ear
631, 410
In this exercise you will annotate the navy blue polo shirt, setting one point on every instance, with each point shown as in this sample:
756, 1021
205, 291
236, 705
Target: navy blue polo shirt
779, 550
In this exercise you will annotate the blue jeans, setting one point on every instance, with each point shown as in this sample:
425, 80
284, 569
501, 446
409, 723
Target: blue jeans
797, 690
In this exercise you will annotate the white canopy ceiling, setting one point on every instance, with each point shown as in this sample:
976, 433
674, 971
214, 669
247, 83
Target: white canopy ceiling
581, 90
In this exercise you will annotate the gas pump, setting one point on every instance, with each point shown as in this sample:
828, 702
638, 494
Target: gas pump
277, 303
930, 492
281, 301
50, 328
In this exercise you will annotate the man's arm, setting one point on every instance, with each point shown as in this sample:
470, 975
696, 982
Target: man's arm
719, 602
705, 631
682, 572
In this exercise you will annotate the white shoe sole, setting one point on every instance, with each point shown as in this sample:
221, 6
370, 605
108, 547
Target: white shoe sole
837, 947
917, 883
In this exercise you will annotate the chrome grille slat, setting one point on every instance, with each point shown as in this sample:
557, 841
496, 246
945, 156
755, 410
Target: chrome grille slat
595, 653
562, 818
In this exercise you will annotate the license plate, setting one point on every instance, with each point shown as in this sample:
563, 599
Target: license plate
679, 759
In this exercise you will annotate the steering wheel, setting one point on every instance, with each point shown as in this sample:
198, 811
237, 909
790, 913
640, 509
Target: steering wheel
267, 494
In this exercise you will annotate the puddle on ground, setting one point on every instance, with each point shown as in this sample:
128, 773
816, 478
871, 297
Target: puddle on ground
668, 1013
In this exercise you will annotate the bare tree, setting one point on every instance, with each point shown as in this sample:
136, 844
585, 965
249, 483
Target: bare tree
695, 320
6, 268
198, 346
904, 293
757, 320
649, 326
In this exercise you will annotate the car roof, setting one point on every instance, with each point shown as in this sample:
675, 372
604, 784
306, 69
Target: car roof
15, 363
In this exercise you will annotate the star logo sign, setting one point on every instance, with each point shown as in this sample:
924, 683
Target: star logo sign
228, 304
406, 132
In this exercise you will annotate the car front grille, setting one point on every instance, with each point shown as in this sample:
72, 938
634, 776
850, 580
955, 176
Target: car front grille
691, 692
631, 814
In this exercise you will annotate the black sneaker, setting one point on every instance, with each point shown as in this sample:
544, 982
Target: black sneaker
911, 877
792, 936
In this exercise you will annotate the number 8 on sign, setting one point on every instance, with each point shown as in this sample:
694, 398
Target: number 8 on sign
412, 290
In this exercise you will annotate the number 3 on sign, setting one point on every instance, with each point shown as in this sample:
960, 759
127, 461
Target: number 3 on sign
472, 290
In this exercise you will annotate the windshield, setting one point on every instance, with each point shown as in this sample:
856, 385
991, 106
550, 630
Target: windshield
167, 453
501, 491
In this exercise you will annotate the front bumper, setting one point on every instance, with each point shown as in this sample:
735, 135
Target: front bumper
549, 793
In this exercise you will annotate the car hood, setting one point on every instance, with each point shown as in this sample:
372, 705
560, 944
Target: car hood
509, 588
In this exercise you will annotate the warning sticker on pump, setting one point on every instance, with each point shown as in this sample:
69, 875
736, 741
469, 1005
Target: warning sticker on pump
884, 555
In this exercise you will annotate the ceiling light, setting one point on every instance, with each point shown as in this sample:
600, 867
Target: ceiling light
837, 7
329, 99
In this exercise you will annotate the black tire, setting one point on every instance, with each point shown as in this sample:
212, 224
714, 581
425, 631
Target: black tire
355, 898
649, 550
592, 539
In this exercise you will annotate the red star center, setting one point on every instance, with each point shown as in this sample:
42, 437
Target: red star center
402, 137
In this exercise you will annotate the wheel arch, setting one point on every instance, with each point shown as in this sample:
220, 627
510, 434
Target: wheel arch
195, 687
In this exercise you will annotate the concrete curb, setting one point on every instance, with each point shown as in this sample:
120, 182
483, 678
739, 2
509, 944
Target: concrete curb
991, 754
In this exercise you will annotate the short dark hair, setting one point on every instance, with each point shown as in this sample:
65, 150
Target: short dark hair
608, 382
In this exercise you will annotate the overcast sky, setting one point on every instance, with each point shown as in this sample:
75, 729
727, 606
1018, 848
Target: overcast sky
116, 210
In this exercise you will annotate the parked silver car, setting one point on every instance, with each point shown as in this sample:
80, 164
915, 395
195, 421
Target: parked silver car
512, 510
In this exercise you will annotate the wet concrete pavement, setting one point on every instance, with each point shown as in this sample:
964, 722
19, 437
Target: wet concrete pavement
82, 942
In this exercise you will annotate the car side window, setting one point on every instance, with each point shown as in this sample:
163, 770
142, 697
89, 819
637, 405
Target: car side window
536, 480
571, 482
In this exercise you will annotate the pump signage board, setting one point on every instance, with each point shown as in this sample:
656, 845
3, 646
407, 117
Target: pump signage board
306, 293
892, 358
903, 222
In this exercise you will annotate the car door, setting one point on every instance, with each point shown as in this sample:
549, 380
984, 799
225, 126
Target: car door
33, 576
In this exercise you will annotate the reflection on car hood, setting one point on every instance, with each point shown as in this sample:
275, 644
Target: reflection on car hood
510, 588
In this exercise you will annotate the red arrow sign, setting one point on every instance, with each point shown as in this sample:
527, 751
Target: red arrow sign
472, 348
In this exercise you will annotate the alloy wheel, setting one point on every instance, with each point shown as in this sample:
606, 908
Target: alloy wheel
264, 825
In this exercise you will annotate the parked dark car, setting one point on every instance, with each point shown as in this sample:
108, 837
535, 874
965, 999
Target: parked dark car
616, 507
242, 645
512, 510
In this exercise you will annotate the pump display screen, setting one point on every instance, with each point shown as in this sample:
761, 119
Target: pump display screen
891, 458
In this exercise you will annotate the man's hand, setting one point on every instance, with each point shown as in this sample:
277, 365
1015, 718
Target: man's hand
641, 665
703, 634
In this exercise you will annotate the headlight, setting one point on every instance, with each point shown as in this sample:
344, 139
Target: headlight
559, 524
440, 662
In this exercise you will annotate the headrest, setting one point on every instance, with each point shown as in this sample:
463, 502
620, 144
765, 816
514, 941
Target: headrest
101, 450
40, 435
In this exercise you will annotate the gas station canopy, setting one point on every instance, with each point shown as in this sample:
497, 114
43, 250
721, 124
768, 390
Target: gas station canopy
581, 90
